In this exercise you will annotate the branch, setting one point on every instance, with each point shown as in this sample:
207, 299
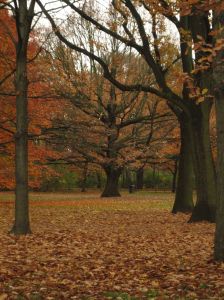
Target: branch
165, 92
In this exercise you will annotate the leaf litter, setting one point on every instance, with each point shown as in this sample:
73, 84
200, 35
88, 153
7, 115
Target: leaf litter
127, 248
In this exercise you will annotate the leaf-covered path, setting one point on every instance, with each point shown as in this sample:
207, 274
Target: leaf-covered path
92, 248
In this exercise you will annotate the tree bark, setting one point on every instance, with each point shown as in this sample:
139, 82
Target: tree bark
112, 183
218, 75
174, 177
185, 180
84, 177
140, 178
205, 208
23, 23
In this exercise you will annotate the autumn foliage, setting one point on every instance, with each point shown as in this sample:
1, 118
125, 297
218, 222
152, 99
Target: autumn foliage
40, 109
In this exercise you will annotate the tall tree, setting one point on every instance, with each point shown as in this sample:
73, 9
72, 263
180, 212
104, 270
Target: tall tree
218, 75
152, 55
23, 13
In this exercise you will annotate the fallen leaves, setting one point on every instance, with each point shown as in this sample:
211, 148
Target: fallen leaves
131, 246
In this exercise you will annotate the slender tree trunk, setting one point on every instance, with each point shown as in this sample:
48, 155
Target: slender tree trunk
123, 179
205, 208
23, 23
112, 183
184, 190
126, 180
218, 76
140, 178
84, 177
153, 176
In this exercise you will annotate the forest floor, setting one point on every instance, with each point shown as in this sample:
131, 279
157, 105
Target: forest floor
84, 247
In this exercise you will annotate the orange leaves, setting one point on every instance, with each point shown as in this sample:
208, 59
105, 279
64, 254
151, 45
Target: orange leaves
40, 110
91, 247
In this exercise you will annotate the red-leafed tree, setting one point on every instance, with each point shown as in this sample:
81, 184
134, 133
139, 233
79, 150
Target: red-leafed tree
19, 98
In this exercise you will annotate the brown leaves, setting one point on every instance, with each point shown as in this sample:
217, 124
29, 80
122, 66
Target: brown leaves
89, 246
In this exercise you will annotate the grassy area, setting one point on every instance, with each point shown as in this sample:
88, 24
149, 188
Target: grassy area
138, 201
92, 194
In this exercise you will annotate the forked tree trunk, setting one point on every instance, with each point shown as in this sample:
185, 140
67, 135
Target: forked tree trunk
205, 208
23, 23
140, 178
218, 76
112, 182
185, 180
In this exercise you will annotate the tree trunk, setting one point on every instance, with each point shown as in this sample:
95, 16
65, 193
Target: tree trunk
219, 232
153, 176
174, 177
99, 180
112, 183
126, 178
205, 208
84, 177
23, 23
184, 190
218, 75
140, 178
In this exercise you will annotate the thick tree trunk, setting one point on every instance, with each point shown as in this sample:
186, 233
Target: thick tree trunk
219, 232
185, 181
174, 177
205, 208
22, 224
218, 76
112, 183
140, 178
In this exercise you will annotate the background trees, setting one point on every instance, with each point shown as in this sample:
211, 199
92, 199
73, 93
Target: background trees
101, 125
123, 116
152, 56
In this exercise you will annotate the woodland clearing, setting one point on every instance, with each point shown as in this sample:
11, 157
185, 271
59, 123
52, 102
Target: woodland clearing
86, 247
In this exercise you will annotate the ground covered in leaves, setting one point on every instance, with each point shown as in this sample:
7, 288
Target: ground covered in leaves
84, 247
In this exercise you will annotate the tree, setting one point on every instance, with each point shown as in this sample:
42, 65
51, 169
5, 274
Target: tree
153, 58
23, 15
19, 49
103, 126
218, 74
